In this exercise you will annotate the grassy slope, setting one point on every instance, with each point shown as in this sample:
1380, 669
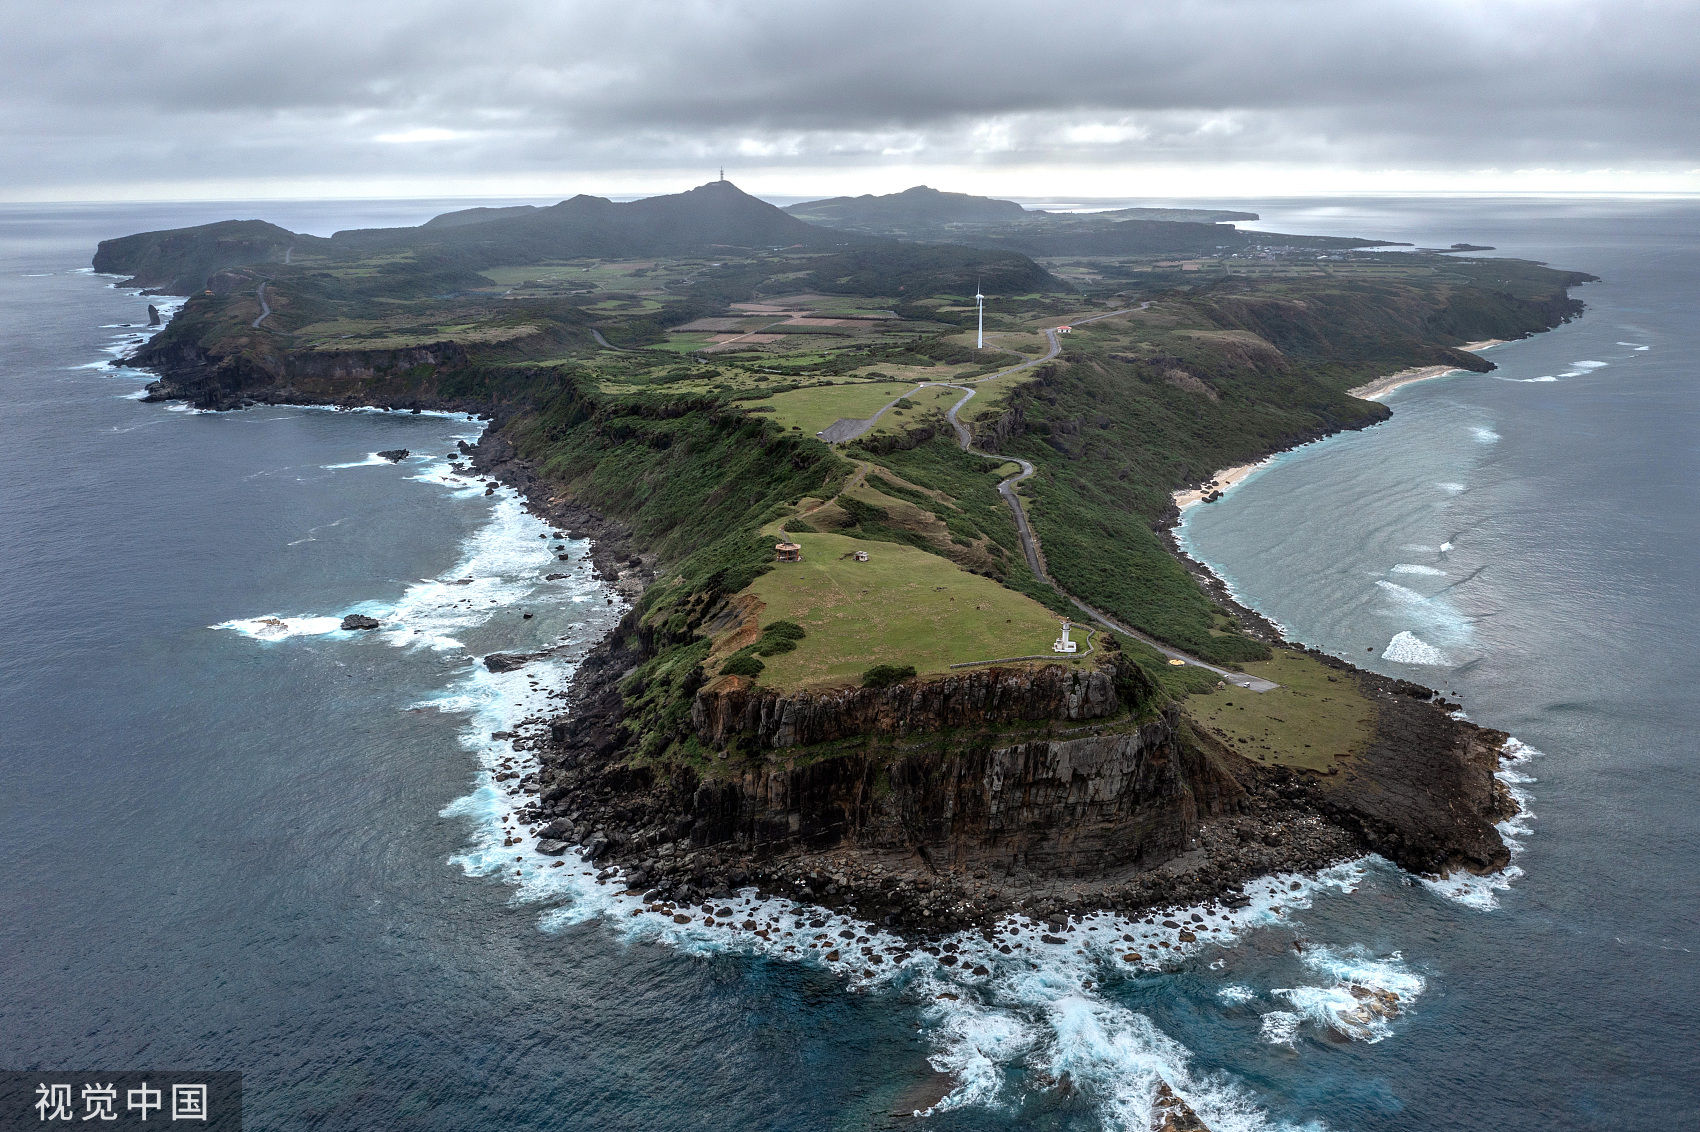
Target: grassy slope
902, 606
1314, 719
814, 408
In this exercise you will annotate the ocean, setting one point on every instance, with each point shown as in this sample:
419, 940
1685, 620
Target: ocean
237, 837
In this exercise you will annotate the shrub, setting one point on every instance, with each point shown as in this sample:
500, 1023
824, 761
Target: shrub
742, 664
781, 636
885, 675
799, 527
861, 512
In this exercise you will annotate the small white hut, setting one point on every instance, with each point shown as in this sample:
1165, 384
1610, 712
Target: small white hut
1062, 643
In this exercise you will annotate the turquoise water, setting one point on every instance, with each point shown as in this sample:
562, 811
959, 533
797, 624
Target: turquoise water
284, 850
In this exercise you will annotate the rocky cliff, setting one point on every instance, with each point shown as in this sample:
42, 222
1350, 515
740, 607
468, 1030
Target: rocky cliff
731, 711
1045, 769
234, 372
1061, 806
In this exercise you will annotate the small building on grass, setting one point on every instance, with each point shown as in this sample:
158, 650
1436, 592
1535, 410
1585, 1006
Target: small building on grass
788, 552
1062, 643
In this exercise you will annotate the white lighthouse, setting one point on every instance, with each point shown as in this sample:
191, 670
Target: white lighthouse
1062, 643
980, 306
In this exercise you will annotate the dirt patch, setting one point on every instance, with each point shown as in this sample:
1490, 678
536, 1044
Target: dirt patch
722, 340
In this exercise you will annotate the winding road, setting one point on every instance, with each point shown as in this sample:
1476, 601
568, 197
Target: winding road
265, 307
846, 429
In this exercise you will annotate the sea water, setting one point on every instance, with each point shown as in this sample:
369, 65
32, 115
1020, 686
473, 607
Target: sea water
239, 837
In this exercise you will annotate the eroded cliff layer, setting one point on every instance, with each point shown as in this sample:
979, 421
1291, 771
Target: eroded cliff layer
1047, 769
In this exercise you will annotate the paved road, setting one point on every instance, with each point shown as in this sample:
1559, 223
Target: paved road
603, 342
1029, 541
265, 307
849, 428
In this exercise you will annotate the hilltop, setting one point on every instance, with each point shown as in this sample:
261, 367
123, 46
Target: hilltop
922, 207
923, 213
664, 375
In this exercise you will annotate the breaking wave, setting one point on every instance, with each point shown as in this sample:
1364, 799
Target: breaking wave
1481, 892
1408, 648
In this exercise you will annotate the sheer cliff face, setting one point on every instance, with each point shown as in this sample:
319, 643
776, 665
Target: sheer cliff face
1045, 769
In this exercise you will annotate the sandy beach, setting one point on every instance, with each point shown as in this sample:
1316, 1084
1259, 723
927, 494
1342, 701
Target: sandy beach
1370, 391
1221, 481
1382, 386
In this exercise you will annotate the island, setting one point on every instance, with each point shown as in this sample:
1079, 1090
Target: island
889, 484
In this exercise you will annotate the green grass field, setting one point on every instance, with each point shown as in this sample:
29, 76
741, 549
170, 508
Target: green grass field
902, 606
814, 408
1307, 722
934, 398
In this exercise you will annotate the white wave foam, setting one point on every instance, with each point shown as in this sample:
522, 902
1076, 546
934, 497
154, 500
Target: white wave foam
1417, 568
1408, 648
1588, 365
1635, 345
1481, 892
444, 475
1017, 997
274, 628
1280, 1027
1450, 487
372, 460
1484, 434
1235, 994
1445, 548
1366, 993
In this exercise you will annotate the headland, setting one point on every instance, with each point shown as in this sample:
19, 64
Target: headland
833, 722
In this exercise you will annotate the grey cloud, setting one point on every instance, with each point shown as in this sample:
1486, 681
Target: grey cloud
105, 91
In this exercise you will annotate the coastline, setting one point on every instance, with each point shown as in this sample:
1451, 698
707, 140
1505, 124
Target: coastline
941, 939
1212, 489
1284, 823
1222, 481
1382, 386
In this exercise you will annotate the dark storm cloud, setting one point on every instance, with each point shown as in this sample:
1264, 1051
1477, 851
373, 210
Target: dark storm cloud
100, 93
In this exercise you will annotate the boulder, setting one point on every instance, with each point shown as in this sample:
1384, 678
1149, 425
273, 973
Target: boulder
505, 661
552, 848
559, 829
360, 621
395, 455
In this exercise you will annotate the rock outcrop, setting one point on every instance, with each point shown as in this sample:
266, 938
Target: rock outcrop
731, 711
1059, 805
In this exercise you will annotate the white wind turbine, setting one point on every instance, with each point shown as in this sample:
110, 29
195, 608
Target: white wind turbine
980, 306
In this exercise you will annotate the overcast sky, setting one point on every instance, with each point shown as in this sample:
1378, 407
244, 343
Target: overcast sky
196, 100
